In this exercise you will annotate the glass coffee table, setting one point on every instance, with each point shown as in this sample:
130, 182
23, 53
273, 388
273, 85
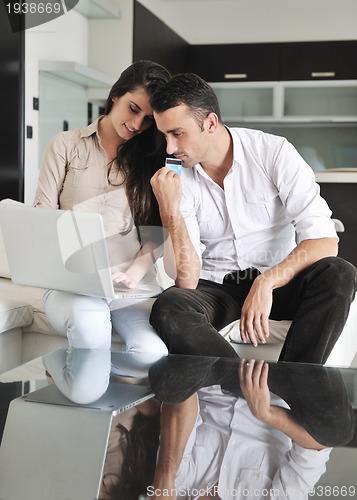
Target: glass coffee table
18, 382
63, 409
90, 429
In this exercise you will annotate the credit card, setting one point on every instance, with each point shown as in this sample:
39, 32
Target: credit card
174, 164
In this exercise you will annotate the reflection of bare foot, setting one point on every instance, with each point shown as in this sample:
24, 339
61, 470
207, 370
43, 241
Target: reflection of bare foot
49, 378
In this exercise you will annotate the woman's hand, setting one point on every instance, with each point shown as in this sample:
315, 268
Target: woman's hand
125, 279
138, 269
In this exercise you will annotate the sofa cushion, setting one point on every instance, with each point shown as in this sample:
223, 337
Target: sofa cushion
278, 331
14, 313
32, 297
4, 265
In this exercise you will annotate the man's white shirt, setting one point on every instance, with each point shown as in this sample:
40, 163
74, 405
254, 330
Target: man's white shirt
269, 193
238, 456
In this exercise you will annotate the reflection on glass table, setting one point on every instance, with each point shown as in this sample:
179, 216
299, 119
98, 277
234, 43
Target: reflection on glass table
226, 428
229, 436
55, 440
94, 378
232, 446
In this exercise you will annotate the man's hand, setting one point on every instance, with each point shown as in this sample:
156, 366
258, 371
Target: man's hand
167, 189
253, 378
180, 258
257, 306
255, 312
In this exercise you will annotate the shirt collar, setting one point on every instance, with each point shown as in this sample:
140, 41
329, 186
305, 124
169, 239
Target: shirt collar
91, 129
237, 145
237, 150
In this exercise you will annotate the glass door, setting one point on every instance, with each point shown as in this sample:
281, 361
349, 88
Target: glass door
320, 101
246, 102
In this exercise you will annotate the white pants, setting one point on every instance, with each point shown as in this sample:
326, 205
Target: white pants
83, 375
88, 321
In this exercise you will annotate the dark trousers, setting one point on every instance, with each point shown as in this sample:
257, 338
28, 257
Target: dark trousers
316, 394
317, 301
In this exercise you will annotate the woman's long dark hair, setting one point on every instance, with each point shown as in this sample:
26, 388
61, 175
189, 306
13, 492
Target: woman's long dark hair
140, 446
144, 154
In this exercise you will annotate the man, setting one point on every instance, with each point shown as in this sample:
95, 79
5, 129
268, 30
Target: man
222, 446
243, 200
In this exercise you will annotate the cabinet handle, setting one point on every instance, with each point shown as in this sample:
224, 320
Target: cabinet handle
327, 74
232, 76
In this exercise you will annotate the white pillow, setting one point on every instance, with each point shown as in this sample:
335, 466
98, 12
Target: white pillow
278, 331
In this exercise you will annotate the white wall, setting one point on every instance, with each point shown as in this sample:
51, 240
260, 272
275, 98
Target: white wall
110, 41
105, 45
65, 38
244, 21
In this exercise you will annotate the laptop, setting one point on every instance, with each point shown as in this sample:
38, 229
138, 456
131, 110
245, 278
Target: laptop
60, 250
57, 449
118, 397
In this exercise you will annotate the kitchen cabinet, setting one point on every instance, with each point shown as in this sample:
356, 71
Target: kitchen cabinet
329, 148
239, 102
236, 62
318, 118
298, 101
275, 61
320, 101
318, 60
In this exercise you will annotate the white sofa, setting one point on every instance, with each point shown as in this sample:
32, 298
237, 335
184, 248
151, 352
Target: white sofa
26, 334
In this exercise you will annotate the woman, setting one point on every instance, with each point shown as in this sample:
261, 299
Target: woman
106, 168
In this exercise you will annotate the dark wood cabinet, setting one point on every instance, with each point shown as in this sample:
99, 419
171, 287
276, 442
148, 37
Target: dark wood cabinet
341, 198
236, 62
275, 61
318, 60
242, 62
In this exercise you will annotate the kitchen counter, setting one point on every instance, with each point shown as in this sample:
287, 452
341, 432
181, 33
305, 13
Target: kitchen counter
337, 175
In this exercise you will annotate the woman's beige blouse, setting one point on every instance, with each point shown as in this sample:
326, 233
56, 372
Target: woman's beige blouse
75, 175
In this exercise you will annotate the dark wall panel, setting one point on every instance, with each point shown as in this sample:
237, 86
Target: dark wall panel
341, 198
154, 40
12, 109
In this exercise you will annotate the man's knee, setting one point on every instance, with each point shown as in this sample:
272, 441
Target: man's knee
340, 274
166, 305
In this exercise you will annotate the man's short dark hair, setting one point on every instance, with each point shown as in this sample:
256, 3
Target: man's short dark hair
188, 89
